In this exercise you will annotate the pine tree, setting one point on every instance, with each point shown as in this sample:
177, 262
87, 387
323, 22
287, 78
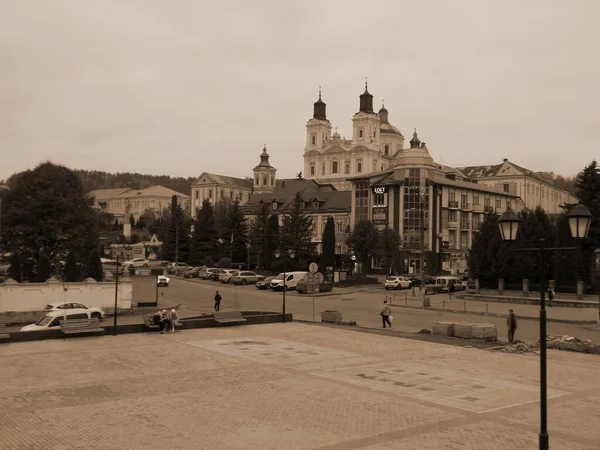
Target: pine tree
43, 269
388, 248
364, 241
94, 268
237, 234
204, 239
273, 239
15, 270
588, 191
328, 243
70, 271
297, 230
258, 236
482, 259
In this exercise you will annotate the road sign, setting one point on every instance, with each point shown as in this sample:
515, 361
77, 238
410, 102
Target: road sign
313, 268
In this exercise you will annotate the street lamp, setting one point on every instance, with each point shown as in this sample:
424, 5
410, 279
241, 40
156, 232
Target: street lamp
119, 252
579, 222
292, 253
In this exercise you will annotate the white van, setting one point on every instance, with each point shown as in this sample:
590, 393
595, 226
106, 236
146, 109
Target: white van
443, 283
53, 319
291, 280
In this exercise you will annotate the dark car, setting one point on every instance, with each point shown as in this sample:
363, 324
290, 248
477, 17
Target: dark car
302, 287
192, 273
264, 284
415, 280
214, 276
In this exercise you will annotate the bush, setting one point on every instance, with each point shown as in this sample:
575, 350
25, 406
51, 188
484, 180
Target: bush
16, 269
290, 265
70, 270
224, 263
43, 269
208, 261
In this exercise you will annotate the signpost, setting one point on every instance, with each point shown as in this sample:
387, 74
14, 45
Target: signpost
313, 280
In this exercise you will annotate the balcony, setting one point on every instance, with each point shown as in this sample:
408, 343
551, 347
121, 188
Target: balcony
478, 208
465, 226
499, 211
488, 209
465, 206
453, 204
452, 224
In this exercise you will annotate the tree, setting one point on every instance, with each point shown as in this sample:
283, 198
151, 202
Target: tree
258, 235
236, 233
273, 239
485, 247
388, 248
46, 211
588, 191
204, 238
328, 243
176, 243
94, 268
364, 241
43, 269
15, 270
297, 230
70, 271
131, 220
116, 225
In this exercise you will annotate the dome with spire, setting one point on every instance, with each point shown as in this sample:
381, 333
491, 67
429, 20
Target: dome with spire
417, 155
386, 126
366, 101
320, 108
264, 160
415, 142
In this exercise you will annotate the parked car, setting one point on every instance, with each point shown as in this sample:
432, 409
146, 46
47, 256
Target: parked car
302, 286
194, 272
61, 306
226, 274
394, 282
246, 277
179, 267
53, 319
441, 285
208, 272
107, 261
264, 284
214, 275
163, 281
291, 280
415, 280
136, 262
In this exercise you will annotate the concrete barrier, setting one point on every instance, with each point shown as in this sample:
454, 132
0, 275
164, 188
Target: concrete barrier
484, 332
463, 330
443, 329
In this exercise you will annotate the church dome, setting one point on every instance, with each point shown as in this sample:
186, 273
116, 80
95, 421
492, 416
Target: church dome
417, 155
386, 127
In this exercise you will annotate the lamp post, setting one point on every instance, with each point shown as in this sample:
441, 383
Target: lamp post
292, 253
119, 251
579, 223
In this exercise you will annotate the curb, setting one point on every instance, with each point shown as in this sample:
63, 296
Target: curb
476, 313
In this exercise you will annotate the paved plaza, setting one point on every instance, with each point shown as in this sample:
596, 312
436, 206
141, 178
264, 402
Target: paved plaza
288, 386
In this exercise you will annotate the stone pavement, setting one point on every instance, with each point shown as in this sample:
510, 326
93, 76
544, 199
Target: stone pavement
287, 386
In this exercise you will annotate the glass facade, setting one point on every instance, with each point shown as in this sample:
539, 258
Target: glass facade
361, 202
416, 196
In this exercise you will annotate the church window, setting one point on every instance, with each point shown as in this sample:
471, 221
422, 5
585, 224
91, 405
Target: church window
316, 204
231, 194
386, 150
334, 167
375, 166
382, 168
257, 181
222, 194
264, 180
360, 133
323, 169
375, 133
314, 140
347, 167
312, 170
359, 166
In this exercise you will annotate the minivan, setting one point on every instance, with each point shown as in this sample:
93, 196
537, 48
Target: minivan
443, 282
291, 280
53, 319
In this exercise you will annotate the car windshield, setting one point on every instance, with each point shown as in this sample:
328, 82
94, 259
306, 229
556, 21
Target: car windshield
44, 321
279, 277
235, 274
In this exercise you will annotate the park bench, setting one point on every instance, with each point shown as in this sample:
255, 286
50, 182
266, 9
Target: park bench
81, 326
149, 323
3, 334
232, 317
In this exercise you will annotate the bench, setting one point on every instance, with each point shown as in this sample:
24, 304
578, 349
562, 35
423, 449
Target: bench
229, 317
151, 326
81, 326
3, 334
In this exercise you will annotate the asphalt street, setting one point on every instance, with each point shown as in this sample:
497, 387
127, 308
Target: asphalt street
196, 297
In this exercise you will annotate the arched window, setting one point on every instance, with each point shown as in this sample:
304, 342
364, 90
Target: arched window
360, 133
323, 169
359, 166
334, 167
314, 140
386, 150
264, 180
347, 168
312, 170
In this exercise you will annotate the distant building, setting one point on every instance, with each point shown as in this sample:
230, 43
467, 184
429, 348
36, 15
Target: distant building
124, 202
534, 189
319, 201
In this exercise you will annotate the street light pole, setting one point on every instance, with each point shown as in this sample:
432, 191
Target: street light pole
116, 294
422, 237
543, 441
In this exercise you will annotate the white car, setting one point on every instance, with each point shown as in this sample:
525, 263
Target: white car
162, 280
225, 276
107, 261
397, 283
53, 319
61, 306
136, 262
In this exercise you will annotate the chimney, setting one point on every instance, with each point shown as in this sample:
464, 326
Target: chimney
505, 159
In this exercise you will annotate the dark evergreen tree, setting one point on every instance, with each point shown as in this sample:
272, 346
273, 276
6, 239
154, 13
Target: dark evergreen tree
388, 248
328, 243
70, 270
15, 270
588, 191
364, 241
43, 269
176, 244
204, 240
297, 230
94, 268
237, 232
273, 239
116, 225
486, 246
258, 237
131, 220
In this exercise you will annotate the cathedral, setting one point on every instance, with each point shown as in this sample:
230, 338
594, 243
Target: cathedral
329, 158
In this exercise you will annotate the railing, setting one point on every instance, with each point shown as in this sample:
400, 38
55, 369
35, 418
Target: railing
488, 209
452, 224
453, 204
477, 208
465, 206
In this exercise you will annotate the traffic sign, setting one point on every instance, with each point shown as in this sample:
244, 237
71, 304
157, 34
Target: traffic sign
313, 268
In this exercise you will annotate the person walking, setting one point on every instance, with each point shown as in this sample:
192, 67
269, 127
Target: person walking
511, 322
550, 296
385, 313
174, 320
217, 301
451, 290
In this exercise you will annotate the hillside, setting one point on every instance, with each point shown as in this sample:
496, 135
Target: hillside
93, 179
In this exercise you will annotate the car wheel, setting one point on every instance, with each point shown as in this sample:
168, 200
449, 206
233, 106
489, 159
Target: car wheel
244, 282
145, 264
97, 315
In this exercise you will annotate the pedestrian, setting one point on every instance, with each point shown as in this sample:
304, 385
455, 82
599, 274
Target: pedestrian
174, 320
165, 323
385, 313
511, 322
451, 289
217, 301
550, 296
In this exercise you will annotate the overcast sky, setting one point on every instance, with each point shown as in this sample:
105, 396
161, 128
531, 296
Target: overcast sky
179, 87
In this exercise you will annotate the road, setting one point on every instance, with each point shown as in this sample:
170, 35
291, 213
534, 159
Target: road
196, 297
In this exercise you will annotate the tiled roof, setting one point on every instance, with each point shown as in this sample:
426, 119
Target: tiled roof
156, 190
241, 183
105, 194
496, 170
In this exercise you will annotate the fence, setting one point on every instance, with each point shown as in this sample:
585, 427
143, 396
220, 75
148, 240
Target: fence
415, 299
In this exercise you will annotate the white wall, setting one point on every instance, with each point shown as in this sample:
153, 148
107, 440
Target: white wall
34, 296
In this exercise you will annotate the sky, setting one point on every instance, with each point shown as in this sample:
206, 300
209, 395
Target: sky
180, 87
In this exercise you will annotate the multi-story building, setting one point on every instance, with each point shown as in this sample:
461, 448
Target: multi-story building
213, 187
333, 159
416, 195
319, 201
534, 189
125, 202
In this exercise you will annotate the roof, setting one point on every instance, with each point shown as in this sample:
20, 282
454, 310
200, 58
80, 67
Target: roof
498, 170
388, 128
105, 194
240, 183
441, 179
153, 191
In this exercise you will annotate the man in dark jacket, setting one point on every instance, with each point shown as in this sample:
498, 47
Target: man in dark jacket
511, 322
217, 301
